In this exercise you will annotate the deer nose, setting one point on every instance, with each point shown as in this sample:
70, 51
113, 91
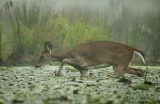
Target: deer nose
37, 65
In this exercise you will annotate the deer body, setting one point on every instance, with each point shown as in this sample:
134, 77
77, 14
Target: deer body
94, 55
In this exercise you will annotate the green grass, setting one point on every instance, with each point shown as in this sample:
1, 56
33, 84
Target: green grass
31, 27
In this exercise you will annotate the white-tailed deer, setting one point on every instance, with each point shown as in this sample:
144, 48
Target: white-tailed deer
94, 55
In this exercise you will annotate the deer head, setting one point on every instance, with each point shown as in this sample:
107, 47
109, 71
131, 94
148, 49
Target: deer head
46, 54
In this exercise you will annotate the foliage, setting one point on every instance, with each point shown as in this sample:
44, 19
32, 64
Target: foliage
27, 85
29, 25
7, 5
80, 31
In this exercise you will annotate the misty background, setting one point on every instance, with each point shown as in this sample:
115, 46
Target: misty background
29, 23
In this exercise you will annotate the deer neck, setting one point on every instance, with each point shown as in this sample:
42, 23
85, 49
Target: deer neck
60, 55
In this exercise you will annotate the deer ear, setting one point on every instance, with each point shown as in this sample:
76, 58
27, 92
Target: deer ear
48, 46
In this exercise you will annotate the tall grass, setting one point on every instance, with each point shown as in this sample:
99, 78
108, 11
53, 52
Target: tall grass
139, 31
154, 29
31, 26
7, 5
83, 32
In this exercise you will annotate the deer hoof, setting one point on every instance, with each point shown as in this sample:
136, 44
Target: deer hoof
58, 74
140, 73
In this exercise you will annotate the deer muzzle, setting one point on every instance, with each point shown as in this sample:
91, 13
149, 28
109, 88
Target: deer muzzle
37, 65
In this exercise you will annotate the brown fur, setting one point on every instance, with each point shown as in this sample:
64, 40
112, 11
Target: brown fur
85, 55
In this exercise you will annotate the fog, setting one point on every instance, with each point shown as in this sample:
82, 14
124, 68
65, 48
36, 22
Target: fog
113, 8
123, 21
136, 5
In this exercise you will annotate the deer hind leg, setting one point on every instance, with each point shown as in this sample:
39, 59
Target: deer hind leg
131, 70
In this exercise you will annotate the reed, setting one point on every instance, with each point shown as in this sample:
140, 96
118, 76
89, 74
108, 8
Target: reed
7, 5
30, 26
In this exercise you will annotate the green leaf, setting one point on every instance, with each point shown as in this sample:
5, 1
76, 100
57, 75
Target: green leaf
140, 86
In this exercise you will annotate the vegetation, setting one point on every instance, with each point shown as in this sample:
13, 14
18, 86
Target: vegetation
28, 27
29, 86
6, 6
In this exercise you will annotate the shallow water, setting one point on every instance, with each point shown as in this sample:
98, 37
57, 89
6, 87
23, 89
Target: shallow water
29, 85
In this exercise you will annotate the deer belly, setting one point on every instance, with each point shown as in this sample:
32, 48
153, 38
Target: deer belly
98, 66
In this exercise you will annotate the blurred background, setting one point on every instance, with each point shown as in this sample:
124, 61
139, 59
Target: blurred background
26, 24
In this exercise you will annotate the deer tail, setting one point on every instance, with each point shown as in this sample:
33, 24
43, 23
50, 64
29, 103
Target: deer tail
140, 54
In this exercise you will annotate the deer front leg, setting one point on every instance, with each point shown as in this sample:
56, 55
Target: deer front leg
84, 73
58, 73
119, 70
71, 61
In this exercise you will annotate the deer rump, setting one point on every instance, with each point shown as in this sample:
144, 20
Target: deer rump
102, 54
